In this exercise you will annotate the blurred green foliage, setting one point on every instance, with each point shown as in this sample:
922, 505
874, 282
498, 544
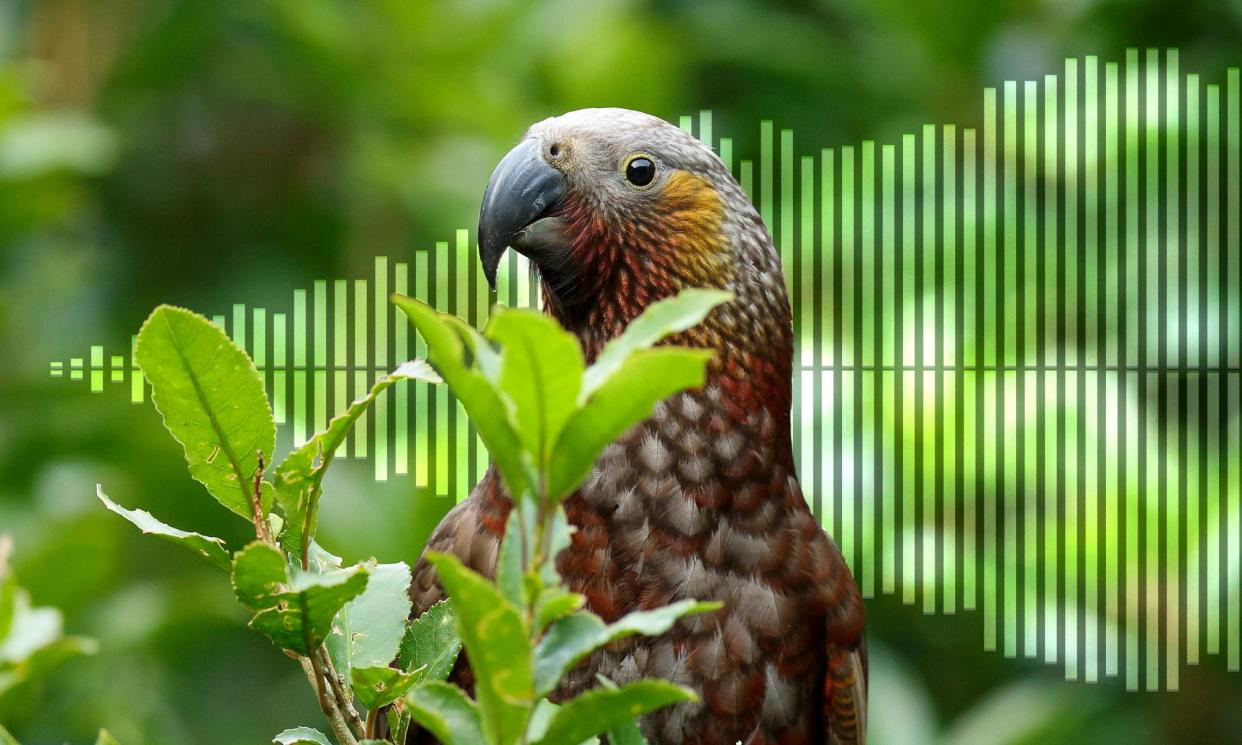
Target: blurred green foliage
204, 153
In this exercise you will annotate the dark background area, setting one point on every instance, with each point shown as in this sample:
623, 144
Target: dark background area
206, 153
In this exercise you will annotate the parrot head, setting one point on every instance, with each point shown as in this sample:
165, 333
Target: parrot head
618, 209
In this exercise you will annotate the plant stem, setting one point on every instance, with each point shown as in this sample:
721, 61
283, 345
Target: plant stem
340, 728
256, 505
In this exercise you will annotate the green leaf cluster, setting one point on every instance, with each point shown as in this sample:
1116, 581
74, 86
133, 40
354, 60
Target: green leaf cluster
546, 417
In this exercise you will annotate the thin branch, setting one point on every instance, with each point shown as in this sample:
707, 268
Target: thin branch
344, 696
344, 735
261, 530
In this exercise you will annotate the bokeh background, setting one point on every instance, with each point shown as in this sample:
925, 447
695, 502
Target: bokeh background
206, 153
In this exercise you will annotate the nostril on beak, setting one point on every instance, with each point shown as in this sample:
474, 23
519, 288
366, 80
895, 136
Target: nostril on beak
555, 150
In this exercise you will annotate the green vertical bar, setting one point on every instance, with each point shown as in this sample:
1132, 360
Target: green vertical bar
888, 357
787, 207
888, 379
765, 173
321, 354
381, 312
258, 319
1233, 334
1191, 331
970, 350
811, 465
927, 343
299, 365
1050, 348
909, 559
321, 327
1092, 356
909, 379
1215, 292
463, 435
909, 330
442, 443
361, 382
870, 460
726, 152
340, 352
1173, 313
686, 123
239, 326
991, 591
989, 273
401, 424
97, 364
828, 266
748, 178
1131, 129
279, 345
705, 127
422, 391
1234, 529
116, 366
848, 259
1012, 557
1112, 545
1132, 525
1009, 280
1152, 323
849, 470
220, 321
1028, 429
1072, 406
1111, 539
948, 335
1191, 316
380, 299
137, 390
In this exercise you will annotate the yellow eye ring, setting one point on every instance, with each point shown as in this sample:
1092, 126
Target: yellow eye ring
640, 171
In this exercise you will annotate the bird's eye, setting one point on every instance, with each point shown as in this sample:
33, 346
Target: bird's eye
640, 171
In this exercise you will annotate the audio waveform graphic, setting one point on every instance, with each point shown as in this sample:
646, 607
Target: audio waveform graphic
1018, 380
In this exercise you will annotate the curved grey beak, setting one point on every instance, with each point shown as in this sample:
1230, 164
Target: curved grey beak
522, 192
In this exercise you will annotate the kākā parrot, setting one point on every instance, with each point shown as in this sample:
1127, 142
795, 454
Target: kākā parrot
618, 209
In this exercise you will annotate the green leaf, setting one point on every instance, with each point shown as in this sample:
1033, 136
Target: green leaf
555, 603
447, 348
446, 712
626, 733
431, 643
260, 574
621, 401
497, 645
601, 709
301, 736
304, 618
509, 558
299, 479
212, 400
380, 685
572, 638
659, 620
567, 641
209, 547
36, 643
540, 374
105, 738
368, 630
660, 319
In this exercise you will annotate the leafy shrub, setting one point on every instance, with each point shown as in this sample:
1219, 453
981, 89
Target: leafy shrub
545, 417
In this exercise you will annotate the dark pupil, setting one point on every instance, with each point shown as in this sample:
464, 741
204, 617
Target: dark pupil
640, 171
